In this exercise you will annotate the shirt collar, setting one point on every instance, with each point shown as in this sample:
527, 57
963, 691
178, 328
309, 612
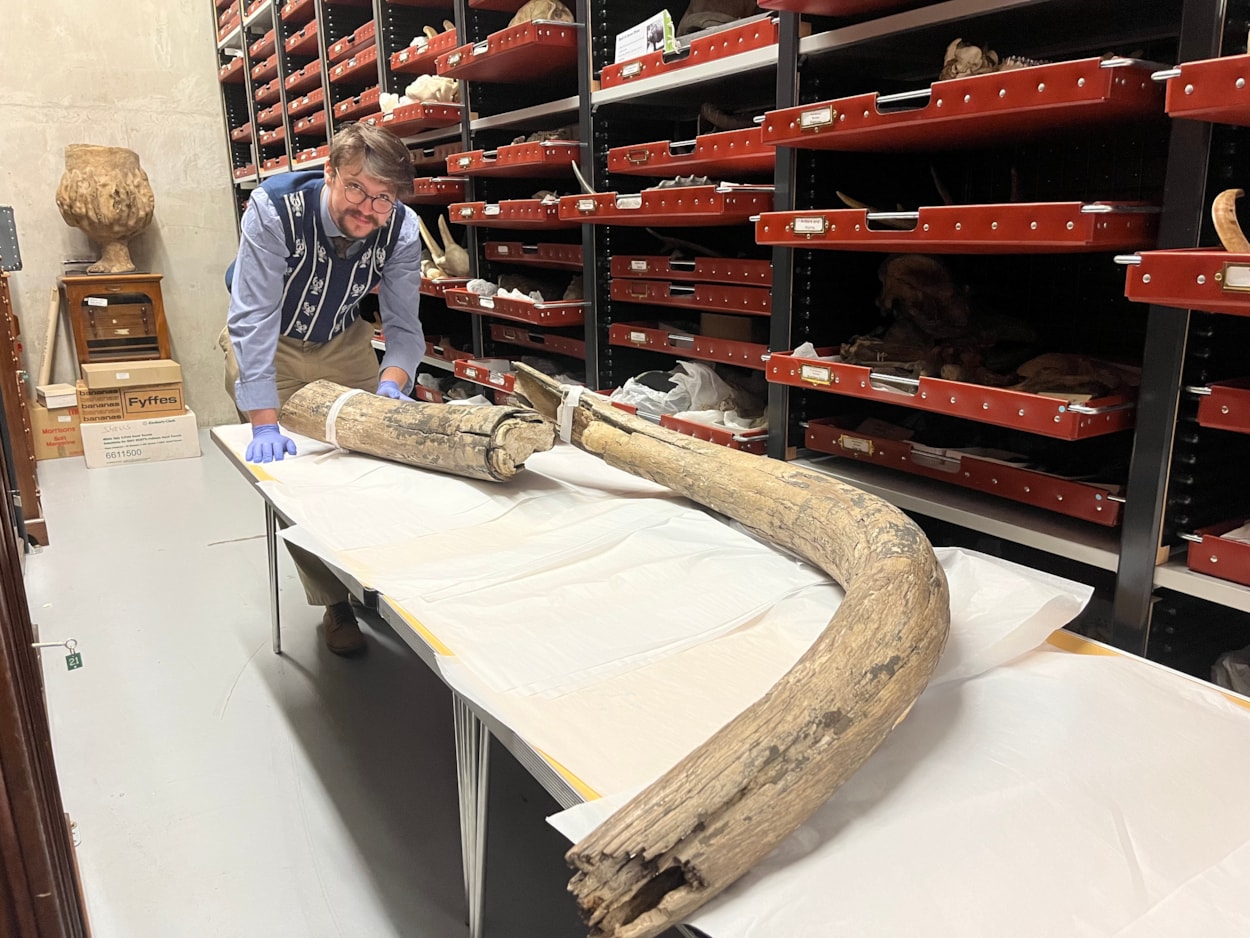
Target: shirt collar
327, 223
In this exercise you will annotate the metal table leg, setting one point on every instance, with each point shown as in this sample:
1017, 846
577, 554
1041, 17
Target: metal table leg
271, 545
472, 773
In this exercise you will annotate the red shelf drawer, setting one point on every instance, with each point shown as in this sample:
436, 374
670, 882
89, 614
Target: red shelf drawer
349, 45
679, 206
360, 68
728, 152
232, 72
313, 153
560, 344
270, 116
303, 41
1209, 279
408, 119
712, 297
422, 59
434, 159
1034, 413
707, 269
436, 190
266, 45
429, 395
479, 372
649, 335
263, 71
269, 138
312, 125
441, 347
1215, 90
1225, 405
518, 54
752, 34
305, 79
834, 7
298, 107
269, 92
966, 111
254, 7
1032, 227
275, 164
297, 11
510, 213
503, 6
243, 172
749, 441
228, 27
242, 133
353, 108
556, 313
1218, 556
440, 287
554, 256
1074, 499
548, 158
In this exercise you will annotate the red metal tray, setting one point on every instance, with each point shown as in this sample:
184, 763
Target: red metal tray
262, 47
834, 7
263, 71
269, 138
440, 347
1209, 279
434, 158
297, 11
548, 158
313, 124
303, 41
504, 6
242, 133
561, 344
649, 335
436, 190
228, 11
727, 152
344, 47
1032, 227
223, 4
254, 7
243, 172
555, 313
364, 103
1075, 499
269, 92
714, 297
681, 206
1225, 405
753, 34
298, 107
270, 116
555, 256
304, 79
421, 59
1215, 90
408, 119
1217, 556
429, 395
479, 372
232, 72
749, 441
518, 54
1034, 413
313, 153
360, 68
510, 213
440, 287
275, 164
707, 269
964, 111
228, 28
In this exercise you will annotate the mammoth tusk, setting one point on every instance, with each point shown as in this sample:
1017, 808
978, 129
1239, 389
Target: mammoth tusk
1224, 214
448, 26
586, 187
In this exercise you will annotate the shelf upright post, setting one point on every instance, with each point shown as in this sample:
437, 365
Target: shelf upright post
590, 238
1184, 207
473, 188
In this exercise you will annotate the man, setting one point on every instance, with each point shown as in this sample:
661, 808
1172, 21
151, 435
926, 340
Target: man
311, 247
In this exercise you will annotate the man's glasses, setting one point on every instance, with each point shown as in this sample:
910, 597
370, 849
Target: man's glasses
379, 204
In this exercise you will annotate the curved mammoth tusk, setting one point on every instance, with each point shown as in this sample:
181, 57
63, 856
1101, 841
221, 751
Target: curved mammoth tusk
1224, 214
724, 806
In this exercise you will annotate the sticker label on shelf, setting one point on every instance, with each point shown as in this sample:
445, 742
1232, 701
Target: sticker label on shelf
816, 374
585, 205
1237, 278
855, 444
486, 302
632, 70
817, 117
810, 225
503, 249
629, 202
640, 266
639, 337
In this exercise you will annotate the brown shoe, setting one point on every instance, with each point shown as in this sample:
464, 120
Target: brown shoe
342, 631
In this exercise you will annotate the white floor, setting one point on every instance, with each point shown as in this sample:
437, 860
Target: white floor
218, 789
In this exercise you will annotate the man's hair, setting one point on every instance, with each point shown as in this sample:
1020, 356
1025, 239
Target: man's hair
381, 154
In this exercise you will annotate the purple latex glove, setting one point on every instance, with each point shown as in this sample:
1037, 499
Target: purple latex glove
268, 444
391, 389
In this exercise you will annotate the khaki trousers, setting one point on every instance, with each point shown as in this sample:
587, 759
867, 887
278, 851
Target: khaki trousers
347, 359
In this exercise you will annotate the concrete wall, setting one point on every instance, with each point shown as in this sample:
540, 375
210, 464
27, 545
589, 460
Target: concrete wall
142, 75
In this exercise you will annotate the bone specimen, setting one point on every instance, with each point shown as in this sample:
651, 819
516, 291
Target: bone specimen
542, 10
449, 256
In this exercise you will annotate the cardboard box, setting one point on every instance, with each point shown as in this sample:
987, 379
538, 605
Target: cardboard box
124, 442
722, 326
149, 400
55, 432
99, 375
53, 396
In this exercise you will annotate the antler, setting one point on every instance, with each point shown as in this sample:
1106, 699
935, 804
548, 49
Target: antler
1224, 214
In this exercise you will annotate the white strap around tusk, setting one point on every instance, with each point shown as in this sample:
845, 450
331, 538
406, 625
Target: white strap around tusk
333, 416
570, 394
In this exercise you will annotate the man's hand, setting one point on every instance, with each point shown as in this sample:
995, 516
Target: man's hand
268, 444
391, 389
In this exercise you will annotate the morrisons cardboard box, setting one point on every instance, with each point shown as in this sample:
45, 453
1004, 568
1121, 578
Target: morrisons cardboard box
55, 432
123, 442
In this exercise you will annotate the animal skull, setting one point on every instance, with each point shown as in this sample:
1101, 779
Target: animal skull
542, 10
449, 257
434, 88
